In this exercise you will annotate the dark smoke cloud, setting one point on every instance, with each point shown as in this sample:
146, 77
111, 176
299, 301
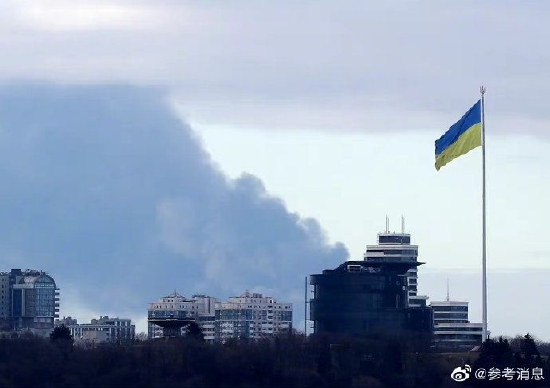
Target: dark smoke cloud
107, 190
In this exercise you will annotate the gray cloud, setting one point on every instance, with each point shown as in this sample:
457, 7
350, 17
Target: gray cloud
107, 190
313, 64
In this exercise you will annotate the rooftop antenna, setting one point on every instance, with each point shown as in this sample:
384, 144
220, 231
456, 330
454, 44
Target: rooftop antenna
402, 224
447, 290
387, 224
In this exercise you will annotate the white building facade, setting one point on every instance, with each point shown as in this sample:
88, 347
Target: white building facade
249, 315
104, 329
171, 307
453, 331
252, 316
198, 308
206, 316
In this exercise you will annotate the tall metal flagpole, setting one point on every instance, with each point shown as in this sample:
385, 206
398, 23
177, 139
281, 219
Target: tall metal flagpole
305, 307
482, 90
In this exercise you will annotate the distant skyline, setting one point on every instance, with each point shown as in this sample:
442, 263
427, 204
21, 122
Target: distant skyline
329, 109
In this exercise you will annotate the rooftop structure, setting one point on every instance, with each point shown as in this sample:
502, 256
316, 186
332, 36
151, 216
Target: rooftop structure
397, 247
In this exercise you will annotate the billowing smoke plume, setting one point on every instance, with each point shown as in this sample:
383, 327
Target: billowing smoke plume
107, 190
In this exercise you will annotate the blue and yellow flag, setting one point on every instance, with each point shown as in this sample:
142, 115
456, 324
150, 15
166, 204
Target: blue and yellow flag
462, 137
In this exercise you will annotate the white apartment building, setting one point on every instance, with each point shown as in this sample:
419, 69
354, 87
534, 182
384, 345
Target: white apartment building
206, 315
198, 308
452, 328
249, 315
104, 329
252, 316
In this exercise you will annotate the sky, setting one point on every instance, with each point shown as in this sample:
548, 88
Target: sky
220, 146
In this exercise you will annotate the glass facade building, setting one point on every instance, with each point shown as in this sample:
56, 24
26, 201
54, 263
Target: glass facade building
365, 297
33, 300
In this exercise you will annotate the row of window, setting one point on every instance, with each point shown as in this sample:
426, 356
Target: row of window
438, 316
397, 239
461, 329
462, 337
391, 251
449, 308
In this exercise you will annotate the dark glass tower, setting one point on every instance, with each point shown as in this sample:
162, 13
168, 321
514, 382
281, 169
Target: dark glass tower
363, 297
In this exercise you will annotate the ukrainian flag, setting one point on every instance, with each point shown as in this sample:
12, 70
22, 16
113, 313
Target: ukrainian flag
463, 136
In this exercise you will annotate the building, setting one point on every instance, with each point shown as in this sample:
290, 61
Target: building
206, 316
4, 300
252, 316
170, 314
398, 247
104, 329
366, 297
453, 331
29, 300
65, 321
249, 315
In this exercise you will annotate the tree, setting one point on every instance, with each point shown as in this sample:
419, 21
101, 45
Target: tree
140, 337
529, 347
61, 333
194, 331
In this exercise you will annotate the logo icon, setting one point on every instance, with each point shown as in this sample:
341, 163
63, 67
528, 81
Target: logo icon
461, 374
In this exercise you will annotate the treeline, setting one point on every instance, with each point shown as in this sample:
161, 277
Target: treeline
515, 362
287, 360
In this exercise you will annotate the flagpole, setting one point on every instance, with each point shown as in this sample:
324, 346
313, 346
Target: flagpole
305, 308
482, 90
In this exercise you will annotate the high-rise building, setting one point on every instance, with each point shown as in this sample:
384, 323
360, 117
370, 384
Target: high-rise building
252, 316
366, 297
29, 299
452, 328
398, 247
